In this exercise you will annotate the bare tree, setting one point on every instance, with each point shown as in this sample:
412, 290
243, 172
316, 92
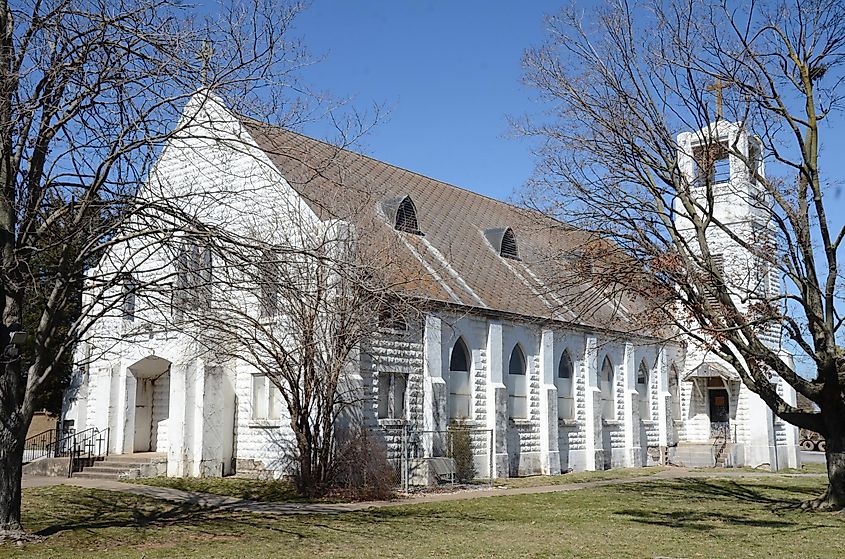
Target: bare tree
90, 91
753, 84
299, 309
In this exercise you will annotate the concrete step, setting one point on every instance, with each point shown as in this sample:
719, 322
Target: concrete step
125, 466
111, 471
86, 474
119, 465
136, 458
108, 473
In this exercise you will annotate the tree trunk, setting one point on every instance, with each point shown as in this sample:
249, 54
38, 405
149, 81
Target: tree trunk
834, 496
12, 439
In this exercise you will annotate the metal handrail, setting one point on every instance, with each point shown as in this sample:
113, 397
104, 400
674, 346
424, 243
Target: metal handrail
720, 442
87, 444
66, 443
39, 445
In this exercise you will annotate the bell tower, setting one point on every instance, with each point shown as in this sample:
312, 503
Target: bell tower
722, 171
722, 168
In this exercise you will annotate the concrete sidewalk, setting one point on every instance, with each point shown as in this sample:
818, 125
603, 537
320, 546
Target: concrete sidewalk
241, 505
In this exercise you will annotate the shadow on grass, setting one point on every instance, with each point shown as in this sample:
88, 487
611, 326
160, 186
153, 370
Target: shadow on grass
699, 520
732, 490
264, 491
98, 510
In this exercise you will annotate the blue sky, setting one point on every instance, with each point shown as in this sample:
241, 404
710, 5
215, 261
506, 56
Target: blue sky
449, 72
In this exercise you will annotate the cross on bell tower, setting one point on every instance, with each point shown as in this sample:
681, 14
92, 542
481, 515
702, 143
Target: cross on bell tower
717, 86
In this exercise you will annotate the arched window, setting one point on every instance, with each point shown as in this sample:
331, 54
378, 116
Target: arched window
517, 362
406, 217
517, 385
459, 360
643, 389
607, 370
608, 389
460, 396
642, 374
565, 408
564, 367
509, 248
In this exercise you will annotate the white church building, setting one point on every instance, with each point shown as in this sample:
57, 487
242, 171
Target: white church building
552, 388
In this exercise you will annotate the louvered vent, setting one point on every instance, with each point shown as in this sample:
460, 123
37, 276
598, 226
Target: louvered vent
509, 248
711, 291
406, 217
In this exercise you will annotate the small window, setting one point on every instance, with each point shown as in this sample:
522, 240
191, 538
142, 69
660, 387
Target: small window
129, 290
642, 374
517, 362
509, 248
266, 398
268, 278
391, 395
564, 367
406, 217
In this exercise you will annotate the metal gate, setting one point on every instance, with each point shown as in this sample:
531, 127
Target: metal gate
457, 456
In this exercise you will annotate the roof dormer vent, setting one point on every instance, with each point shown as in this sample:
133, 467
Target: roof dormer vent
403, 213
503, 241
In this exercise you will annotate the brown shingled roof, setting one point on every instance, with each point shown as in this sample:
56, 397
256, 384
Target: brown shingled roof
454, 252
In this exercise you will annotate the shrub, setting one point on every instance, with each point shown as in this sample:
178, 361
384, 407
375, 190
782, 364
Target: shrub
461, 443
361, 470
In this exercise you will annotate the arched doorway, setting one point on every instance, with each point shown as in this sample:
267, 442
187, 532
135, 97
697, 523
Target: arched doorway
151, 406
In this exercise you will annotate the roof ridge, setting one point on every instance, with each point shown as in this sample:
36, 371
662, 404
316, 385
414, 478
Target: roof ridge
399, 167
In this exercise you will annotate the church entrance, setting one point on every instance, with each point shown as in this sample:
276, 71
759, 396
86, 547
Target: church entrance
720, 412
151, 405
143, 416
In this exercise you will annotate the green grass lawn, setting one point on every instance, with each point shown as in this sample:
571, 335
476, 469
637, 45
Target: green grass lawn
674, 518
